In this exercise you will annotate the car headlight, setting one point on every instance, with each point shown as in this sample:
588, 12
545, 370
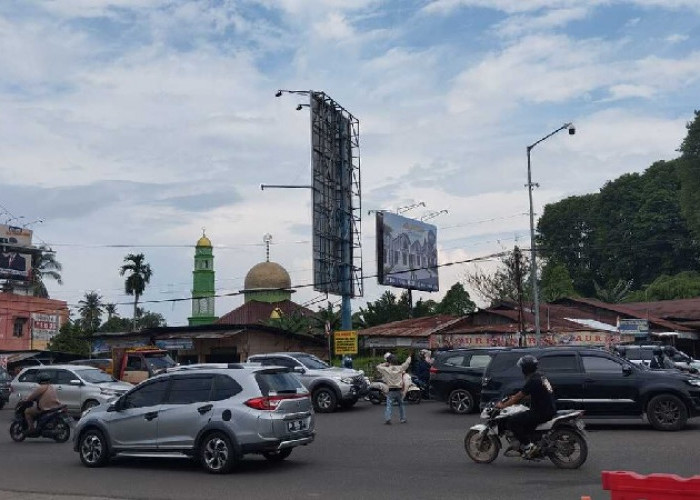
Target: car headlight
108, 392
693, 381
346, 380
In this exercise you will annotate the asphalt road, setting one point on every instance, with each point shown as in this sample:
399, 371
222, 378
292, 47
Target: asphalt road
354, 456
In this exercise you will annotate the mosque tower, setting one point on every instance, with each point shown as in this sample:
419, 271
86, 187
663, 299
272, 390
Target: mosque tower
203, 291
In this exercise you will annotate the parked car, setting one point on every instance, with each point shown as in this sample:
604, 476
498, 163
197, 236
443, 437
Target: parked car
329, 386
104, 364
643, 354
602, 384
5, 380
215, 413
455, 377
78, 387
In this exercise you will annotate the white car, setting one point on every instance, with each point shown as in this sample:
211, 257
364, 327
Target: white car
78, 387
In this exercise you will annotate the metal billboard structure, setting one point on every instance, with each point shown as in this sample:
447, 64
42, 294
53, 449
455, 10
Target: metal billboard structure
336, 199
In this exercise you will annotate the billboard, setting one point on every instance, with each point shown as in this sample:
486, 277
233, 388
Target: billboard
336, 201
406, 253
43, 328
15, 236
15, 265
636, 327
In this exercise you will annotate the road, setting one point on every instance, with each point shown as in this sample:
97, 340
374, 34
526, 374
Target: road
354, 456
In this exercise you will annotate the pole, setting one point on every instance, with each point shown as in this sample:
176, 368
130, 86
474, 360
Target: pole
533, 253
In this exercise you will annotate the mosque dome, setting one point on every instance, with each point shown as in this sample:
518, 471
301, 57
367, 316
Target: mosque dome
267, 276
204, 242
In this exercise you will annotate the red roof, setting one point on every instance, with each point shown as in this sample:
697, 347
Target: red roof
674, 310
416, 327
255, 312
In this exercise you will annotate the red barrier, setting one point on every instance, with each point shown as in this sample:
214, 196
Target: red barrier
632, 486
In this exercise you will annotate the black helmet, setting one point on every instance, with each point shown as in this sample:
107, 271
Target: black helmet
43, 378
528, 364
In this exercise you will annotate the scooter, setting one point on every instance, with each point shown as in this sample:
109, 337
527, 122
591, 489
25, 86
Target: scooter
54, 424
561, 439
378, 391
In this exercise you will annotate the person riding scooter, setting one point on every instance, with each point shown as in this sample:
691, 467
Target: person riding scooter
45, 397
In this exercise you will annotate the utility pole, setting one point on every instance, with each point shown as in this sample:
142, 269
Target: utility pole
519, 284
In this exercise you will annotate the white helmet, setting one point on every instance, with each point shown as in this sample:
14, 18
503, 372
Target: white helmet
387, 355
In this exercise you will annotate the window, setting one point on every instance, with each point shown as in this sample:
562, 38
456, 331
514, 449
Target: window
28, 376
597, 364
135, 363
271, 383
455, 360
95, 376
150, 394
188, 390
63, 377
224, 388
479, 361
558, 363
18, 329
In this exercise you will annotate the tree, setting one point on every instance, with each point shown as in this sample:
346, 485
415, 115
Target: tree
70, 339
424, 308
683, 285
44, 265
325, 315
690, 147
149, 319
138, 276
295, 322
111, 310
384, 310
556, 283
615, 294
504, 283
456, 302
90, 311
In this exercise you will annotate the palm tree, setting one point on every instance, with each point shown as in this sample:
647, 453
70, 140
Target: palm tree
139, 275
111, 310
44, 266
90, 310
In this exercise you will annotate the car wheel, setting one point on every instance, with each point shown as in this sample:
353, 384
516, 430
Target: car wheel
90, 403
17, 432
461, 401
93, 449
277, 456
216, 453
667, 412
324, 400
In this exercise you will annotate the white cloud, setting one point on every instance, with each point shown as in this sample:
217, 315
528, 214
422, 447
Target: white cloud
334, 27
677, 38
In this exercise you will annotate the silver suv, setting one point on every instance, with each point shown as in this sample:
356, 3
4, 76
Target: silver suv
216, 413
78, 387
329, 386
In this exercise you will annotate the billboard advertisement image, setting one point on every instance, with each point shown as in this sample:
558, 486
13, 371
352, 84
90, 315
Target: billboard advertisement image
15, 266
406, 253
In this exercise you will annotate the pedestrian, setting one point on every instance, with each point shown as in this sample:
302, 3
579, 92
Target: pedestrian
392, 376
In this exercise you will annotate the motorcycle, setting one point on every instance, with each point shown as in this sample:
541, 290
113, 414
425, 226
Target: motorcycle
54, 424
561, 439
378, 391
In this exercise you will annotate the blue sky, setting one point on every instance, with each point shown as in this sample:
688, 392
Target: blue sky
129, 125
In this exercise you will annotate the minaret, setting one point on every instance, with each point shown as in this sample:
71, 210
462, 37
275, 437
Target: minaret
203, 290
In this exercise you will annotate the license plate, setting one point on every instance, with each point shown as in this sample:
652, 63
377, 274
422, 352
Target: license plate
296, 425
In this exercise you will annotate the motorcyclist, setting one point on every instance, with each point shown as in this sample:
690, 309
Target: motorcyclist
46, 399
542, 406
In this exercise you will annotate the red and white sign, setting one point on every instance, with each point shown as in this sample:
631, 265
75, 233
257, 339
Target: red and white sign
44, 326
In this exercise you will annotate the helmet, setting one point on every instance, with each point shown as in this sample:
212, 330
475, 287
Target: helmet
528, 364
43, 378
387, 355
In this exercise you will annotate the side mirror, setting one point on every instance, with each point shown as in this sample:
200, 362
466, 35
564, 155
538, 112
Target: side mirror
113, 406
627, 370
75, 381
298, 369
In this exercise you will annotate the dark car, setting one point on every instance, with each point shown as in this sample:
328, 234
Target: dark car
455, 377
602, 384
5, 379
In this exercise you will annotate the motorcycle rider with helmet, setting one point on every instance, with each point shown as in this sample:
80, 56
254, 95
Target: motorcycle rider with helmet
542, 406
46, 399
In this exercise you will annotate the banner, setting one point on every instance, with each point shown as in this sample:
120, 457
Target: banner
597, 339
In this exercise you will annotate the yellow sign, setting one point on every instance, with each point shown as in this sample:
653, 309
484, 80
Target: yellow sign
345, 342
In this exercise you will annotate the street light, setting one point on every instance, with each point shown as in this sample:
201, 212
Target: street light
533, 254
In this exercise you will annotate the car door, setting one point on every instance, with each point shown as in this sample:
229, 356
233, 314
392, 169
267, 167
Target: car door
68, 394
609, 388
134, 423
563, 371
23, 386
185, 411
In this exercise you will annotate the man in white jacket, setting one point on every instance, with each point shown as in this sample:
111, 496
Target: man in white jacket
392, 376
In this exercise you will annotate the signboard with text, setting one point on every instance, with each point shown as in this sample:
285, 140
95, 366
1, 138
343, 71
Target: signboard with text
636, 327
345, 342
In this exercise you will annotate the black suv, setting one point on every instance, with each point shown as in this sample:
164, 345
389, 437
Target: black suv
455, 377
600, 383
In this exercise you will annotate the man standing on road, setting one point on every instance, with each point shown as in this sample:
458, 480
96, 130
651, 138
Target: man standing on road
392, 376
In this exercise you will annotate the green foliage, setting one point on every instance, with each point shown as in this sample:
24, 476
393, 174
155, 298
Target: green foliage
511, 279
556, 283
295, 322
384, 310
90, 311
138, 276
456, 302
72, 339
45, 266
690, 147
683, 285
612, 295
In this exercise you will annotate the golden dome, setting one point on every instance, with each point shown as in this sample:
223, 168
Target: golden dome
267, 276
204, 242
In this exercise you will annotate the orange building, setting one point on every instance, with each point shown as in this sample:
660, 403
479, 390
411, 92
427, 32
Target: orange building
28, 322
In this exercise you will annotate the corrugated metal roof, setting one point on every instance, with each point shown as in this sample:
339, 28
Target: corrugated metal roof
416, 327
254, 312
680, 309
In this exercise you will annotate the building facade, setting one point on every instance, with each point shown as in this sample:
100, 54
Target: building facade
28, 322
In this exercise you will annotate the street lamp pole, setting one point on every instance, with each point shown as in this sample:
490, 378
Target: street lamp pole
533, 251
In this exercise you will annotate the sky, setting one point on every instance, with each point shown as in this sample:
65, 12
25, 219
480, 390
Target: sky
127, 126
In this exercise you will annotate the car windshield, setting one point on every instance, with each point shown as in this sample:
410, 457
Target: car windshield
95, 376
311, 362
159, 361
